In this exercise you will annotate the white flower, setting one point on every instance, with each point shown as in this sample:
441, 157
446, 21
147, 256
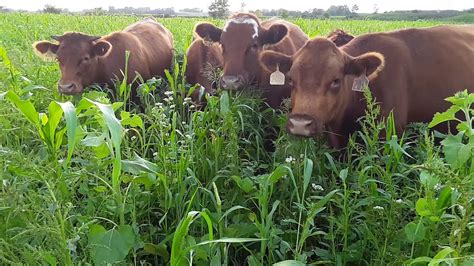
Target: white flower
301, 156
399, 201
182, 122
168, 93
378, 208
160, 105
437, 186
289, 159
5, 182
192, 106
155, 154
134, 137
188, 136
317, 187
172, 106
187, 100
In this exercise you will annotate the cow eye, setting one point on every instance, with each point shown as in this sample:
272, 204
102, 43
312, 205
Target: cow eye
85, 59
336, 83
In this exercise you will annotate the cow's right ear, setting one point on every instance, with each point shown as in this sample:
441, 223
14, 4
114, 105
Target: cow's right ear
45, 49
269, 60
102, 48
208, 31
369, 63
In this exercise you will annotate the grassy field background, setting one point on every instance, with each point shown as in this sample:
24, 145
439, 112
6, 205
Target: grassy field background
86, 182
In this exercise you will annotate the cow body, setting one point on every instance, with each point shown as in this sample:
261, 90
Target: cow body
242, 39
204, 59
411, 72
85, 60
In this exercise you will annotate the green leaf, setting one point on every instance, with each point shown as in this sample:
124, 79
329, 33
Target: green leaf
448, 115
132, 121
25, 107
177, 248
422, 207
415, 232
451, 147
278, 173
343, 174
444, 198
139, 165
225, 103
71, 124
308, 170
289, 263
428, 180
110, 246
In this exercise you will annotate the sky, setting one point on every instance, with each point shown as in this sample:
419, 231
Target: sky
364, 5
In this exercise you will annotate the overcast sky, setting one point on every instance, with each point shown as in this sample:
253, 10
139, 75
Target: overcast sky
365, 5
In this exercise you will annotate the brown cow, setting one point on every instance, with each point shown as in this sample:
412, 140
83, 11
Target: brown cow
410, 71
85, 60
204, 59
340, 37
242, 39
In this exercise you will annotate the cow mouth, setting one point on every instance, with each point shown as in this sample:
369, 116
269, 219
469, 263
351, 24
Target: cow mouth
70, 89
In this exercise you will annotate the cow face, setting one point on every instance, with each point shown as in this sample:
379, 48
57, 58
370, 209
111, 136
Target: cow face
322, 76
242, 39
77, 55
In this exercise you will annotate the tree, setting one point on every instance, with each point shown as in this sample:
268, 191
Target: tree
51, 9
355, 8
283, 13
219, 8
242, 6
376, 9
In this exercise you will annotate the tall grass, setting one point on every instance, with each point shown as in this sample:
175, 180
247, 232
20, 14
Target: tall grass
97, 180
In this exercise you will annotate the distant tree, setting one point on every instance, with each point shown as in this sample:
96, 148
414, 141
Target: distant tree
355, 8
376, 9
51, 9
219, 8
242, 6
258, 13
326, 15
283, 13
317, 12
339, 10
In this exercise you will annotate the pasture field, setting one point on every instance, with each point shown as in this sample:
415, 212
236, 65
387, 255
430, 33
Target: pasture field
94, 181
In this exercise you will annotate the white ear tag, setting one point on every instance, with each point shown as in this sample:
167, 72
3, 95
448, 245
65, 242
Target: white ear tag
360, 83
277, 77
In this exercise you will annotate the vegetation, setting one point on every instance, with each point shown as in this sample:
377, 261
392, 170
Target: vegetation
92, 180
219, 9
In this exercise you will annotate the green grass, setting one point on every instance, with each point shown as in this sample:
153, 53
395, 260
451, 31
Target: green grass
91, 181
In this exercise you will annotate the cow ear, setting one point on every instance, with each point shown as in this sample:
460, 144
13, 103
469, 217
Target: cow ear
274, 34
269, 60
45, 49
102, 48
208, 31
370, 64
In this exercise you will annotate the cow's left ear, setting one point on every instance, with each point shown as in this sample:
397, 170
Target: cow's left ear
274, 34
370, 64
102, 48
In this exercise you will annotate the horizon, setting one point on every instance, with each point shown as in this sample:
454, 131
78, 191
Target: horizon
235, 5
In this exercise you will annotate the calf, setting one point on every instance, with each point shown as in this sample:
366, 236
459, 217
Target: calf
85, 60
204, 59
410, 72
242, 39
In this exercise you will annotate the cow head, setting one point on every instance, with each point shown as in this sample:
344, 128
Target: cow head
322, 76
77, 55
242, 39
340, 37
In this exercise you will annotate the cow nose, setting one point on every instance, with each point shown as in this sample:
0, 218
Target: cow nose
66, 88
231, 82
302, 125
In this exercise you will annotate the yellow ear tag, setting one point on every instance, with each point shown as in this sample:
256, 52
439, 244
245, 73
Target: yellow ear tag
360, 83
277, 77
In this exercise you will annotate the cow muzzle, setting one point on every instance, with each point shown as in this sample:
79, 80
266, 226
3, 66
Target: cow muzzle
303, 125
69, 88
231, 82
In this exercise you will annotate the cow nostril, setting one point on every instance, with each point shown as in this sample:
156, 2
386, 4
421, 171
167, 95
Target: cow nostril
67, 86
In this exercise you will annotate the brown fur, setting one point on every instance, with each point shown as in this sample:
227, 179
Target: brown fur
340, 37
203, 58
411, 72
150, 45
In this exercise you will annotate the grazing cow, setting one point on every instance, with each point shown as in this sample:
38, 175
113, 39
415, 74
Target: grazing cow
410, 71
340, 37
204, 61
242, 39
85, 60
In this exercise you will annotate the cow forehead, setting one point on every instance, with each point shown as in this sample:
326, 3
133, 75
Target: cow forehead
318, 61
73, 49
237, 24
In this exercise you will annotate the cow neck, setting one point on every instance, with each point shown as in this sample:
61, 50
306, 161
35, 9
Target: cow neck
102, 69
